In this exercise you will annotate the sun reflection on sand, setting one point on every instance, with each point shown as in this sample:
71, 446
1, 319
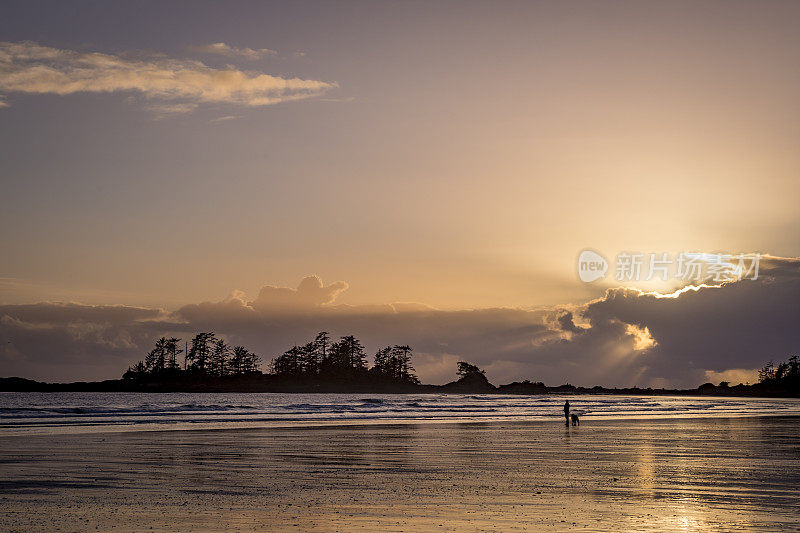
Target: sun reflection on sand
629, 475
688, 522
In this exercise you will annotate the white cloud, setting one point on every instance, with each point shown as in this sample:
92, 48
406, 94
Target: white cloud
233, 51
27, 67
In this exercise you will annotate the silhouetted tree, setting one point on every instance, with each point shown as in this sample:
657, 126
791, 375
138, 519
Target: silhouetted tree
354, 352
318, 359
201, 350
466, 369
157, 357
253, 362
786, 375
395, 363
238, 359
151, 360
288, 363
219, 357
346, 357
207, 354
767, 373
243, 361
402, 362
136, 371
335, 363
382, 362
322, 343
172, 352
308, 359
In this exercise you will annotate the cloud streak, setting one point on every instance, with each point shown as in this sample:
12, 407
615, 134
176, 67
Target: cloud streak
227, 50
178, 85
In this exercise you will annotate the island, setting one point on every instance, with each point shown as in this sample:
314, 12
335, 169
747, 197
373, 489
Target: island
210, 364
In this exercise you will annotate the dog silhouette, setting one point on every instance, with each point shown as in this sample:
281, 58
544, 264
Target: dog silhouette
575, 420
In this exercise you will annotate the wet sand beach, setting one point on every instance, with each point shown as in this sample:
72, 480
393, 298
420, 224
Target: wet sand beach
657, 475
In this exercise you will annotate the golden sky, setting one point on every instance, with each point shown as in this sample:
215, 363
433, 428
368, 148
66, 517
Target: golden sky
454, 154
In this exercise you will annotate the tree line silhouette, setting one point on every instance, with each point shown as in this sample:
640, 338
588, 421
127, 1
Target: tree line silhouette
207, 355
318, 360
345, 358
785, 374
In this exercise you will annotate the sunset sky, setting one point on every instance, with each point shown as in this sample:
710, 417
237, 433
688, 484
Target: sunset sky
438, 166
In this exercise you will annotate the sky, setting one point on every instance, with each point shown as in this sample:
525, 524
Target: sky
408, 172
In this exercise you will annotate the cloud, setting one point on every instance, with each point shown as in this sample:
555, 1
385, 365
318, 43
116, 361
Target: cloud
232, 51
730, 326
627, 337
68, 312
310, 297
166, 110
224, 119
310, 293
733, 376
176, 85
69, 341
566, 322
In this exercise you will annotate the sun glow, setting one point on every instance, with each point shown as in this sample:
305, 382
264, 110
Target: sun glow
682, 290
643, 339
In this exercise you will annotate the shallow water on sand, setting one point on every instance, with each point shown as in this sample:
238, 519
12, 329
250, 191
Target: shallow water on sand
721, 474
91, 412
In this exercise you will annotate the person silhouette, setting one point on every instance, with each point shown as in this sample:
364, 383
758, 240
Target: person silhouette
566, 412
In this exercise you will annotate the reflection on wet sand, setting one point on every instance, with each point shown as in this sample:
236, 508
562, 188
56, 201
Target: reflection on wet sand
732, 474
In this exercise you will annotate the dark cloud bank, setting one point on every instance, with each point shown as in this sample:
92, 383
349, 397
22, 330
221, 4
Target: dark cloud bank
625, 338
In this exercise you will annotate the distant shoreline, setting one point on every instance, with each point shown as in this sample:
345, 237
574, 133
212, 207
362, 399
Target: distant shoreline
274, 384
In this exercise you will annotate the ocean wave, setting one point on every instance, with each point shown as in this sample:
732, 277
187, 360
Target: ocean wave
52, 410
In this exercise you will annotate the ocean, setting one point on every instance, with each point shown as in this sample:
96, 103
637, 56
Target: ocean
77, 412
